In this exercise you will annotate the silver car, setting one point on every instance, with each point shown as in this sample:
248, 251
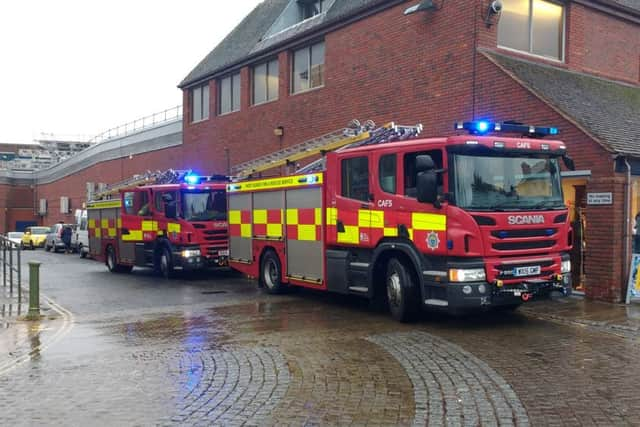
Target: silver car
54, 238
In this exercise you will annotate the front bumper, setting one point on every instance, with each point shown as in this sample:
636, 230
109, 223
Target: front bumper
486, 295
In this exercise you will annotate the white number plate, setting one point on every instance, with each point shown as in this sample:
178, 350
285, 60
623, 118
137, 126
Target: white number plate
223, 253
526, 271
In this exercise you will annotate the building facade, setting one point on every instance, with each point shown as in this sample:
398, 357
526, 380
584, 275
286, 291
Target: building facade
296, 69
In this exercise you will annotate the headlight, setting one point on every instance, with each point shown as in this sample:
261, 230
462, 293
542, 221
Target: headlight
471, 275
565, 266
188, 253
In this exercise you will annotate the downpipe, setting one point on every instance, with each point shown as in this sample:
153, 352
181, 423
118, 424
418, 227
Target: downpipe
627, 234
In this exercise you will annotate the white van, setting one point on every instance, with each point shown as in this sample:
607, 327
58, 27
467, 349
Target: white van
80, 236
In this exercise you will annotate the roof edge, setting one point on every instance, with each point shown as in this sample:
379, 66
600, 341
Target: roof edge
356, 15
488, 54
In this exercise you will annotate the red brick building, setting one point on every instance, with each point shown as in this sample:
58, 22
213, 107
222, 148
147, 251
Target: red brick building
309, 66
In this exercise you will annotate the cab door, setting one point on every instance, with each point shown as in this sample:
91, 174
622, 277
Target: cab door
352, 213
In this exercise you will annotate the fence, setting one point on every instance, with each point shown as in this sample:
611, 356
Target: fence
11, 267
166, 116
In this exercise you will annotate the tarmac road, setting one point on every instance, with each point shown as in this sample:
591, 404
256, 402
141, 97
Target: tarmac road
212, 349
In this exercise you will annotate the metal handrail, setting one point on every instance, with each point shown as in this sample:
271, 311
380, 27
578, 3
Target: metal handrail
169, 115
9, 247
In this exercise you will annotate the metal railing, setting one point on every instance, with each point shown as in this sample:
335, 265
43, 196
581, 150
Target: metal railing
11, 266
153, 120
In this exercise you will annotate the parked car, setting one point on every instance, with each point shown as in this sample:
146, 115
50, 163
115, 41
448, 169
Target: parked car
54, 238
34, 237
15, 237
80, 236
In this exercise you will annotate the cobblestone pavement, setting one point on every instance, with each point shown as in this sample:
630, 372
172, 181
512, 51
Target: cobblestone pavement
213, 350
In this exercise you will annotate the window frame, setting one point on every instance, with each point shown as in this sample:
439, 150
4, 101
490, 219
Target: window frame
231, 78
530, 52
203, 88
309, 49
253, 80
306, 4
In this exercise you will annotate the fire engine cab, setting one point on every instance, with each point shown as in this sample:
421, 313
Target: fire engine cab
169, 220
475, 220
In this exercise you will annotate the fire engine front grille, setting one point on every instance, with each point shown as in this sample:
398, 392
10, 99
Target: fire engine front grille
215, 232
511, 234
514, 246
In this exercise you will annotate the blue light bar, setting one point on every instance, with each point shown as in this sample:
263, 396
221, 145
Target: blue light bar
480, 127
192, 179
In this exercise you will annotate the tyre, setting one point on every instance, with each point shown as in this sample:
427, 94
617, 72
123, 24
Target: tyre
402, 292
112, 264
83, 254
165, 264
271, 273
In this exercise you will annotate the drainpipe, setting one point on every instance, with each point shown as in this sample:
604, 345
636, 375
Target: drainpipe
627, 222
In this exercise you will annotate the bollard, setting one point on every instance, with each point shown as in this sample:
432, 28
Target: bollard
34, 291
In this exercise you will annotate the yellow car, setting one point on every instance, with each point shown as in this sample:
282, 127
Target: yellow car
34, 237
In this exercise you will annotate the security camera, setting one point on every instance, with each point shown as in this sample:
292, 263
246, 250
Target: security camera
494, 8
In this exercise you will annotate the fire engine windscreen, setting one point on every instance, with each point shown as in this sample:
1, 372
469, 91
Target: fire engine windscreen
507, 183
204, 205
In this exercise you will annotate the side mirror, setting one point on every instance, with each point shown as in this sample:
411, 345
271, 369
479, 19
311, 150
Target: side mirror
170, 210
427, 187
568, 162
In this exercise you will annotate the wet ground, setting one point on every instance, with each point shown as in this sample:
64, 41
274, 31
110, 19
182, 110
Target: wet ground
214, 350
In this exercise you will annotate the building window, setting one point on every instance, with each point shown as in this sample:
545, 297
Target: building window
200, 103
308, 68
311, 8
355, 178
387, 173
533, 26
229, 94
265, 82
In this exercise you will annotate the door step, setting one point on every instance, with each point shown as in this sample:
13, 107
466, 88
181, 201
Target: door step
438, 302
359, 289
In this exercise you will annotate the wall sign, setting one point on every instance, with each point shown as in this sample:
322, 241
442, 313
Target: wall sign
599, 198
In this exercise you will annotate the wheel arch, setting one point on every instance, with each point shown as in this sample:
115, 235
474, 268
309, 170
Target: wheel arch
402, 250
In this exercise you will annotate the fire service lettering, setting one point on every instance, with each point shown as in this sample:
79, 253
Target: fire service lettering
525, 219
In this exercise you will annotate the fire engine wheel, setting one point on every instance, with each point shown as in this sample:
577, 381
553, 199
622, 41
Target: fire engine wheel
112, 263
270, 273
165, 264
401, 291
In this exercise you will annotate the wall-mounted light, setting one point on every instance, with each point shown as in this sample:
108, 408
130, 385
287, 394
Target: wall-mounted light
424, 5
279, 131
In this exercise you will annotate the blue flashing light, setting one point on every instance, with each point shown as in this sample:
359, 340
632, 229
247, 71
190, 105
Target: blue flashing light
553, 131
550, 231
192, 179
312, 179
482, 126
503, 234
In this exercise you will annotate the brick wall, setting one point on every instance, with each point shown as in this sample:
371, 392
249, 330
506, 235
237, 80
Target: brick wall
595, 43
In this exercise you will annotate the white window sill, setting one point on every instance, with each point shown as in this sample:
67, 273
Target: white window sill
300, 92
532, 55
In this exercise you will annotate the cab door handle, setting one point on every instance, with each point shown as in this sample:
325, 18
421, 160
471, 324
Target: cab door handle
125, 231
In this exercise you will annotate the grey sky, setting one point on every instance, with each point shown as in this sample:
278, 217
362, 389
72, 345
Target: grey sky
79, 67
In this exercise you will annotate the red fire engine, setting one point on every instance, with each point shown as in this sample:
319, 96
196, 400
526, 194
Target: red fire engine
472, 220
165, 220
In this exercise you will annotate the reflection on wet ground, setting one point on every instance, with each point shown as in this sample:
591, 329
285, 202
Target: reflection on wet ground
219, 352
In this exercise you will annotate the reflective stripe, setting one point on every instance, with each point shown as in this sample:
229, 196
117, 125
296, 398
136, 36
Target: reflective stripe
307, 232
92, 223
259, 216
119, 222
245, 230
391, 232
112, 232
173, 227
104, 223
351, 235
292, 216
133, 235
318, 212
149, 225
428, 222
369, 218
332, 216
104, 204
235, 218
274, 230
98, 232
